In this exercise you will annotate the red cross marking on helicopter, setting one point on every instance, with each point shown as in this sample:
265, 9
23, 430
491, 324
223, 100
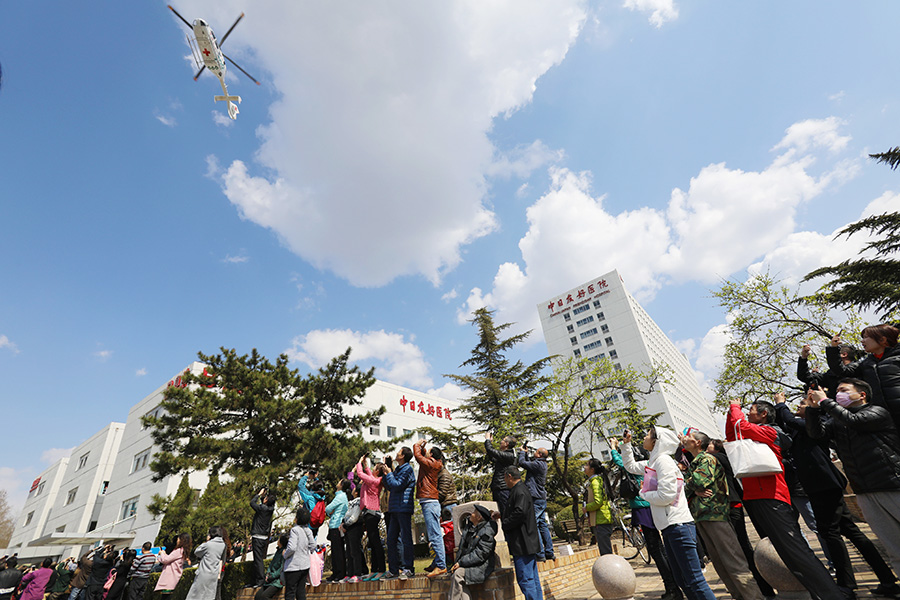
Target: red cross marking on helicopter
206, 52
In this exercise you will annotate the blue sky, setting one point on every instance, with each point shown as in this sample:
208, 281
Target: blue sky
401, 164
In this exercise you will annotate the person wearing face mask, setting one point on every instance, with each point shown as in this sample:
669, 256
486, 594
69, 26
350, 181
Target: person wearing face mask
825, 485
869, 447
880, 368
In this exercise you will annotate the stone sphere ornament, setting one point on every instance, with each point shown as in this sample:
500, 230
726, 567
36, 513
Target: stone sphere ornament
773, 570
613, 577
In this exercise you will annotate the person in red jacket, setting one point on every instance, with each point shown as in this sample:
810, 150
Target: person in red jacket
768, 502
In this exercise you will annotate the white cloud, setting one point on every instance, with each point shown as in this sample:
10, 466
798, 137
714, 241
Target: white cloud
522, 161
51, 455
167, 120
239, 259
452, 294
450, 391
376, 159
725, 219
5, 342
222, 119
814, 133
396, 360
140, 372
660, 10
103, 355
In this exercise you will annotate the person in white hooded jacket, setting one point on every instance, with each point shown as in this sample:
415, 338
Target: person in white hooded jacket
664, 489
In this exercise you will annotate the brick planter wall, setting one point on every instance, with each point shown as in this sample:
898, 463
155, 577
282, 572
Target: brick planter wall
557, 577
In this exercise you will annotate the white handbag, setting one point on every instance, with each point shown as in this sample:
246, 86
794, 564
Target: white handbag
750, 458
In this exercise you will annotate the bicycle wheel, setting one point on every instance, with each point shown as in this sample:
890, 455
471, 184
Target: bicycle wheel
637, 538
622, 537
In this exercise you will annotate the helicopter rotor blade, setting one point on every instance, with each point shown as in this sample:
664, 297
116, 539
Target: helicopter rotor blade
241, 70
198, 72
225, 37
179, 16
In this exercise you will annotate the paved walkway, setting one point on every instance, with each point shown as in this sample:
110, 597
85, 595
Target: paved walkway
650, 586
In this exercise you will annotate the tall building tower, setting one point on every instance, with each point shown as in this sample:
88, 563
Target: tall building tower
600, 318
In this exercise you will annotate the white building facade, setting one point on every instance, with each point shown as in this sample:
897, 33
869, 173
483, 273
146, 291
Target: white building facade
600, 318
101, 491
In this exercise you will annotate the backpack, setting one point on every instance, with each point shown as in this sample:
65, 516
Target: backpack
318, 516
354, 511
628, 486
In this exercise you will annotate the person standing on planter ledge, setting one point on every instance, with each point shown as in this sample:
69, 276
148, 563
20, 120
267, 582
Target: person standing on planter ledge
520, 530
263, 505
502, 457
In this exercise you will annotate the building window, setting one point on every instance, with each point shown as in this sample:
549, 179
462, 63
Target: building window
129, 507
92, 526
60, 529
82, 462
585, 320
28, 518
103, 487
609, 341
617, 367
141, 460
421, 435
376, 431
588, 333
604, 454
407, 433
601, 316
40, 489
570, 329
593, 345
577, 353
613, 354
574, 341
153, 413
70, 498
597, 304
596, 358
581, 309
604, 328
392, 432
567, 317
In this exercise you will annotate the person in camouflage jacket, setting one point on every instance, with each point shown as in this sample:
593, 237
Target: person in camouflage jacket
706, 488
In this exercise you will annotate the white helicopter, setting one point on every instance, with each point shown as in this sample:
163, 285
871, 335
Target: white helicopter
208, 55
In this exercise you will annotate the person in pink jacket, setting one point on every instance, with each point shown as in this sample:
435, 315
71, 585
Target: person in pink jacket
35, 582
370, 503
173, 564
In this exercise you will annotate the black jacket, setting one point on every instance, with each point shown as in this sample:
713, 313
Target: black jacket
866, 441
519, 524
9, 578
262, 517
826, 381
735, 491
476, 550
536, 468
883, 375
502, 459
101, 569
811, 458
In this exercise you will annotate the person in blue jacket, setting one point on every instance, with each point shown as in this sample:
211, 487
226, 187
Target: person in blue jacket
640, 513
402, 484
336, 510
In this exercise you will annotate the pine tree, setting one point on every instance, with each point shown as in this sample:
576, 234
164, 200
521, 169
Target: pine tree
259, 422
503, 392
177, 512
870, 281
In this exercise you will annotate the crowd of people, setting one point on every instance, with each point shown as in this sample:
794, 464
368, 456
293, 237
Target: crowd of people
684, 495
